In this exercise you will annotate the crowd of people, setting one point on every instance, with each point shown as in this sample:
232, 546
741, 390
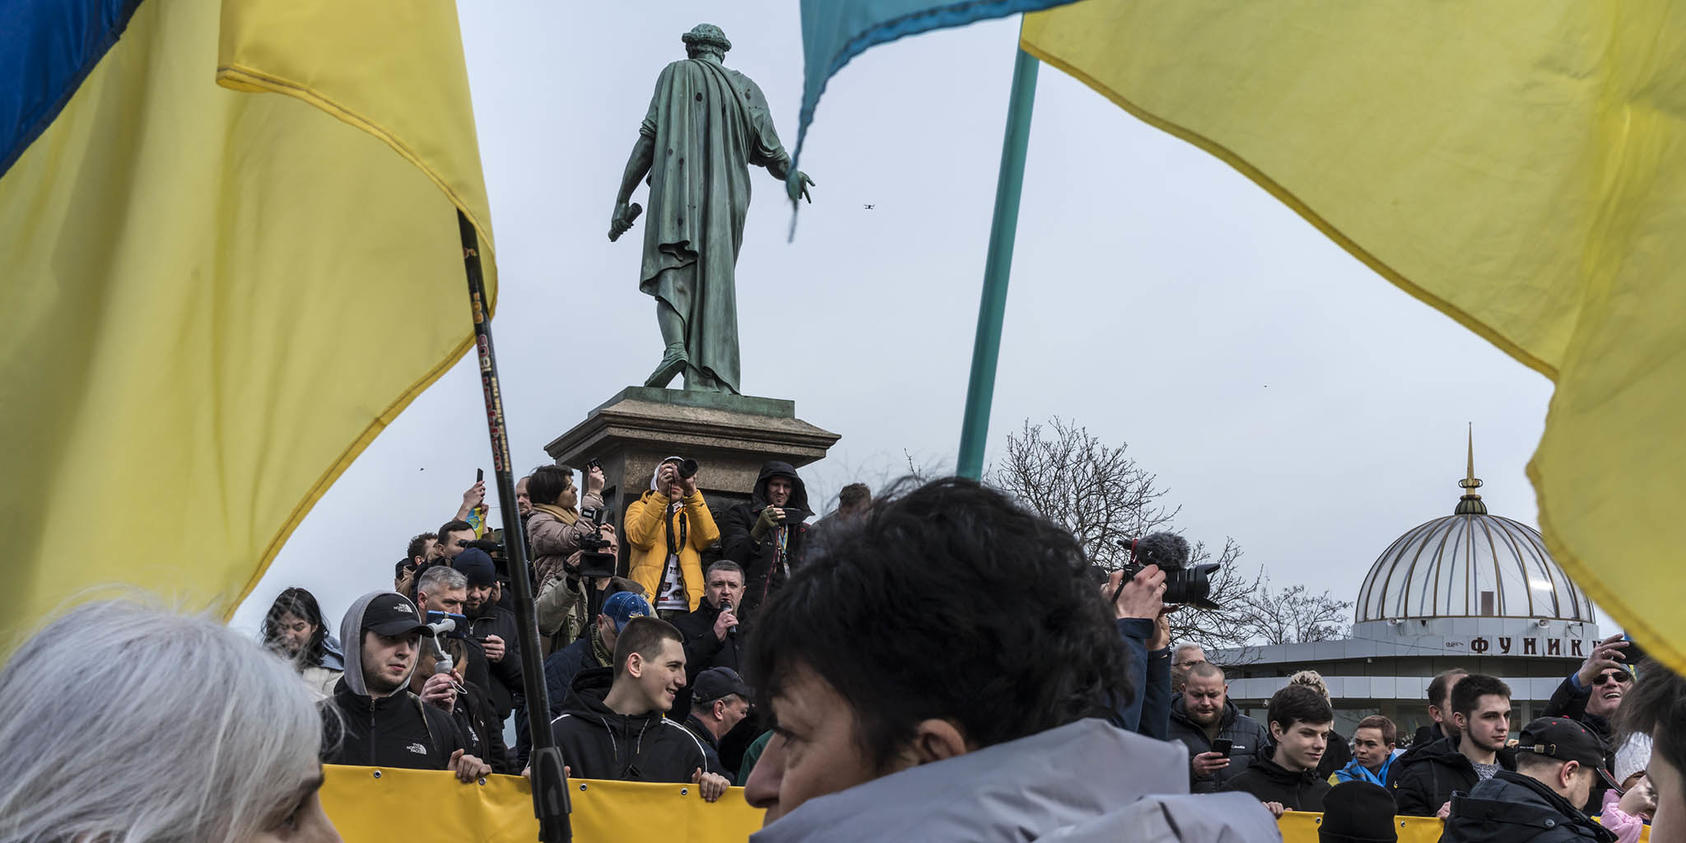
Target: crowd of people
936, 664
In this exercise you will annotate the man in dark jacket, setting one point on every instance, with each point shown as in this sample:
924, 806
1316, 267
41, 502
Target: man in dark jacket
595, 649
713, 634
1556, 764
766, 535
381, 723
1592, 695
612, 726
493, 628
1287, 780
721, 703
1439, 712
1423, 781
1203, 714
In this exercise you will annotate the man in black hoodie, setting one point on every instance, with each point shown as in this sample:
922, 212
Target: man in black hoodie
1423, 781
1287, 780
612, 726
379, 722
1557, 763
766, 535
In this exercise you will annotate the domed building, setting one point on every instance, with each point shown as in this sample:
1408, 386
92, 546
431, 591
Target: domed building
1470, 590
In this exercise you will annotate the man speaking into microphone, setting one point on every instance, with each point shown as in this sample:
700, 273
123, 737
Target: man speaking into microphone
712, 633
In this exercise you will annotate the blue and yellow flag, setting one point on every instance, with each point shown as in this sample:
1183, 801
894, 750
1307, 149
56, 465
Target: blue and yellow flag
231, 258
1518, 164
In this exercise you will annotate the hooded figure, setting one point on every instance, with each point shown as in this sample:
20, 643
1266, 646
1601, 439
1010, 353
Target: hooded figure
767, 546
669, 536
391, 728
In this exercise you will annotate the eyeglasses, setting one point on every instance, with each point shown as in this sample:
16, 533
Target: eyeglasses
1612, 677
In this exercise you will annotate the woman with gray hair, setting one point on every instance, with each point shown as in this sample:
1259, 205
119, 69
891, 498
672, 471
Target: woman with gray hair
129, 724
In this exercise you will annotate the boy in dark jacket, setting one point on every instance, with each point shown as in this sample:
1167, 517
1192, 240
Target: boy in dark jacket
379, 722
1423, 781
612, 726
1300, 721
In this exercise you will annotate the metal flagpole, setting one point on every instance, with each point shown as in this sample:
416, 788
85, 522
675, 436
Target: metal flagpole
550, 787
986, 350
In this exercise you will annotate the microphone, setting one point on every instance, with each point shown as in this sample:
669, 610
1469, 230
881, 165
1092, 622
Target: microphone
726, 606
1167, 550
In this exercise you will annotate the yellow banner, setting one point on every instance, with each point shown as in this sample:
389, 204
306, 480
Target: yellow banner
379, 806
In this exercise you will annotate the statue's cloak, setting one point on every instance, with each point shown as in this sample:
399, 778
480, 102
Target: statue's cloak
709, 123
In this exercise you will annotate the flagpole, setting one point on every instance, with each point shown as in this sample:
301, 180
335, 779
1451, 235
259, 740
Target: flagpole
550, 787
986, 349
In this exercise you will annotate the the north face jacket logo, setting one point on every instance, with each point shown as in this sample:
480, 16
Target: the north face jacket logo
417, 749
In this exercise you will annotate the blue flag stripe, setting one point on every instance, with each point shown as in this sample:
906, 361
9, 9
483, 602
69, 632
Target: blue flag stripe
47, 47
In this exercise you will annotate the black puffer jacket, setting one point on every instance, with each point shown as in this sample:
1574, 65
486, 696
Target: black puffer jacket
762, 573
1268, 781
1423, 780
1513, 808
597, 743
1249, 739
395, 731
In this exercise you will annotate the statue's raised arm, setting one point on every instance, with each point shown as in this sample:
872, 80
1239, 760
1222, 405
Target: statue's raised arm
706, 125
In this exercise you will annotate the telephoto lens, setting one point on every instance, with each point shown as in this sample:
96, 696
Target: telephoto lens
687, 469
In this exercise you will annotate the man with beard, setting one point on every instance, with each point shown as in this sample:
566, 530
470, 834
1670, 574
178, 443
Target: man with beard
493, 628
1423, 782
381, 723
1202, 715
766, 535
612, 727
1287, 780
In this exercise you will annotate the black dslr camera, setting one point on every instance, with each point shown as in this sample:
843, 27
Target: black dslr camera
595, 563
1183, 583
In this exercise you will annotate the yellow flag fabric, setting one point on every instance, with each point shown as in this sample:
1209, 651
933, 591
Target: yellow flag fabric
216, 297
1518, 164
385, 807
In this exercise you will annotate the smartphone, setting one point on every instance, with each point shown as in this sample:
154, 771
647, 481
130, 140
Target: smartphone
1222, 746
480, 475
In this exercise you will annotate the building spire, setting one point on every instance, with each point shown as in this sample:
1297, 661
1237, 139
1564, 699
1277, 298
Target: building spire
1470, 503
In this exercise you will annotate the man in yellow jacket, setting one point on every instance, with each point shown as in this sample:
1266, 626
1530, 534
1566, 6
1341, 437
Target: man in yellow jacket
668, 528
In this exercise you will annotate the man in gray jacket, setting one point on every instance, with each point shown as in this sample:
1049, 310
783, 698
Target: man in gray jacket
947, 675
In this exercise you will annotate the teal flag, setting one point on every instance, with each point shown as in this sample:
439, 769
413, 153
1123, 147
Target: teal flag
834, 31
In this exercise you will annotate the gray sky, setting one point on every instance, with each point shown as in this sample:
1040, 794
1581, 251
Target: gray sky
1284, 394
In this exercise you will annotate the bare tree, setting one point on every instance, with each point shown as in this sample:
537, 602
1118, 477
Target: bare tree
1293, 615
1066, 474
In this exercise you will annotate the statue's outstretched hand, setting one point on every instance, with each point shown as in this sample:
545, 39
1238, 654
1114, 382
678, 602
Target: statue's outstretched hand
621, 220
799, 187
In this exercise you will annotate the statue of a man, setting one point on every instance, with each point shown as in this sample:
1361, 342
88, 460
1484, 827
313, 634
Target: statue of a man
706, 125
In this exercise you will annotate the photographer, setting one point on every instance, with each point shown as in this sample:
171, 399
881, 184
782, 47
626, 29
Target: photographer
766, 535
555, 532
669, 527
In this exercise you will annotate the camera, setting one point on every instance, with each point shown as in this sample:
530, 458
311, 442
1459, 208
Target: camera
594, 562
591, 464
687, 468
1183, 583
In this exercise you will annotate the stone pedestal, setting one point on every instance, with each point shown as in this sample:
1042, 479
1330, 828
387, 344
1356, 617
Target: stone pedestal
730, 437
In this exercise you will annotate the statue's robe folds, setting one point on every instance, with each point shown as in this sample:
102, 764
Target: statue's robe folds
709, 124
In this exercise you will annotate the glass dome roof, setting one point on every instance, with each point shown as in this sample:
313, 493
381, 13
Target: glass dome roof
1469, 564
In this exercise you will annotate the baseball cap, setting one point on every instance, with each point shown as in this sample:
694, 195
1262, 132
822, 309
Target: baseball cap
393, 614
717, 682
1565, 740
623, 606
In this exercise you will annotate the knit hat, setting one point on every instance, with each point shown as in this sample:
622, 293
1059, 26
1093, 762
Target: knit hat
1358, 812
477, 566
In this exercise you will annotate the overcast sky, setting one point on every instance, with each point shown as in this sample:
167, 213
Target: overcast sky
1285, 395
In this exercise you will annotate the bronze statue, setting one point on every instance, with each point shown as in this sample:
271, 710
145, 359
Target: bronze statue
706, 125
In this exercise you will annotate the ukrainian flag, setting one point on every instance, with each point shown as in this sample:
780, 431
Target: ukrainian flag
230, 256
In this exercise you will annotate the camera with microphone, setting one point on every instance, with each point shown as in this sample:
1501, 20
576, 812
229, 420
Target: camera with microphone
1184, 583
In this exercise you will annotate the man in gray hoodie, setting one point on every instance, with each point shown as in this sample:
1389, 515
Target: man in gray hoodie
947, 675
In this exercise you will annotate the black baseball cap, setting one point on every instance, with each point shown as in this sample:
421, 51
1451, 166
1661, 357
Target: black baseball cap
393, 614
1565, 740
717, 682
